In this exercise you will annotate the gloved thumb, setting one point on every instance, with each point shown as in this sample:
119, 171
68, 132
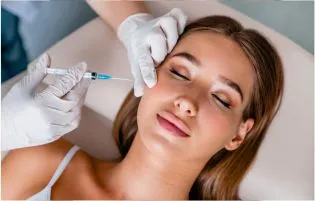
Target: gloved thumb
36, 73
79, 90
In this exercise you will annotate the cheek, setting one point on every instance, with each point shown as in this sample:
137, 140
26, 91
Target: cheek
215, 130
153, 100
156, 99
165, 88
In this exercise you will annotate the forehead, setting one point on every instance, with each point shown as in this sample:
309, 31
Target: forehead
219, 55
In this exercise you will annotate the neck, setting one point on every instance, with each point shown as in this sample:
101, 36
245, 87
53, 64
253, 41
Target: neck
146, 175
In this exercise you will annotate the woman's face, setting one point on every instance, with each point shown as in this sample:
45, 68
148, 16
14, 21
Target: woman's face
196, 107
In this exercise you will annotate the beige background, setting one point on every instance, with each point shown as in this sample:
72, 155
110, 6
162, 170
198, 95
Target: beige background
285, 164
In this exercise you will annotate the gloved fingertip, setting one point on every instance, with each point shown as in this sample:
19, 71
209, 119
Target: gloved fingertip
181, 18
46, 57
77, 71
149, 76
151, 83
176, 10
43, 58
138, 95
138, 92
43, 62
150, 79
79, 90
82, 67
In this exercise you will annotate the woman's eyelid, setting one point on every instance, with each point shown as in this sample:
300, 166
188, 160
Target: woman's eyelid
223, 102
181, 70
175, 73
224, 97
227, 91
227, 97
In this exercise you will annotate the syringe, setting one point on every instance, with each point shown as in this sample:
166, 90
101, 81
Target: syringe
91, 75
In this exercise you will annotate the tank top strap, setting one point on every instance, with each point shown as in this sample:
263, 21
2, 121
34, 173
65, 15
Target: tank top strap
62, 166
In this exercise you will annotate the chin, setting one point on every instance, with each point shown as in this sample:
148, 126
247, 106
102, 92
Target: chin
160, 142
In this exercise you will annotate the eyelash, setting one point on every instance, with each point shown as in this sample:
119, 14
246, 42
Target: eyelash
225, 104
176, 73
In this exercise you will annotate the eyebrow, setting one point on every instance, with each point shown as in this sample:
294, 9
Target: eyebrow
231, 84
189, 57
225, 80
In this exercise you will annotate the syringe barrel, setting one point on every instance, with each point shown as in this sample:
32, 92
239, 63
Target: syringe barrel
56, 71
59, 71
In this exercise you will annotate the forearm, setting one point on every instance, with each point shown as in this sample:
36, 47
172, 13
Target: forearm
115, 12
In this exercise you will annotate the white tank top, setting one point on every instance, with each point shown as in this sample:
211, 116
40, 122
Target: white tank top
45, 193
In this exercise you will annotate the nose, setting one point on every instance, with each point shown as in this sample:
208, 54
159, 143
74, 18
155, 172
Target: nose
185, 106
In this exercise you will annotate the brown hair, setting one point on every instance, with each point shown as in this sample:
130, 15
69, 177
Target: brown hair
222, 175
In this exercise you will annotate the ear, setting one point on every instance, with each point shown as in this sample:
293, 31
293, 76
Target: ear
243, 129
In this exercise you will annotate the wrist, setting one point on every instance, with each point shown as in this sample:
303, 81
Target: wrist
10, 138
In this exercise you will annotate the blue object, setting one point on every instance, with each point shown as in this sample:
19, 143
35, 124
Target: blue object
13, 55
103, 77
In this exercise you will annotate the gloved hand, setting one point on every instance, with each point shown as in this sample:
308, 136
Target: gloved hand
31, 119
148, 41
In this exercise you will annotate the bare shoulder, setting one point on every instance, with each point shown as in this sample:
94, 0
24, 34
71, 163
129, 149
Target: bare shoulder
81, 179
26, 171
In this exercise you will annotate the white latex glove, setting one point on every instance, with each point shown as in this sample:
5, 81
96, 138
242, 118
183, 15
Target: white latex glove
148, 41
31, 119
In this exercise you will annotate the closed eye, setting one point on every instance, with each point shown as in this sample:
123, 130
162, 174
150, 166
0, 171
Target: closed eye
225, 104
177, 74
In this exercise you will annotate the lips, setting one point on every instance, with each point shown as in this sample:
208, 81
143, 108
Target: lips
173, 124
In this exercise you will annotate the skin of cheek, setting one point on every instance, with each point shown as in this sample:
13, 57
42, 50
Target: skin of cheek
212, 126
214, 131
153, 101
